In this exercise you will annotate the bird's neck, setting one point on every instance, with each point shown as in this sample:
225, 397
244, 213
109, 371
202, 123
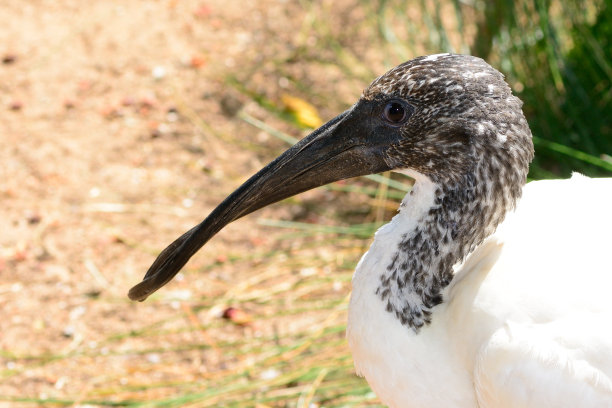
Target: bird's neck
439, 224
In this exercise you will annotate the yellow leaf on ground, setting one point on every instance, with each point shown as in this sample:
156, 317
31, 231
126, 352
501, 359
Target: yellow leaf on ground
305, 113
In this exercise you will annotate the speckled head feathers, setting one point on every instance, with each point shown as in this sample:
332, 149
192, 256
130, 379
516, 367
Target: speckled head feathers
464, 115
428, 78
467, 134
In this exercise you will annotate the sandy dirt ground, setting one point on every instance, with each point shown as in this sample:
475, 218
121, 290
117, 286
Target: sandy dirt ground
117, 135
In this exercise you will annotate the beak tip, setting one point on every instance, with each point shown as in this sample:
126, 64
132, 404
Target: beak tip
141, 291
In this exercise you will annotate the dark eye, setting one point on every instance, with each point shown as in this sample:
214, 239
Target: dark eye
394, 113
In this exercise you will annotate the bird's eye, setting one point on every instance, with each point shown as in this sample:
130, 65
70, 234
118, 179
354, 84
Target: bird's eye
394, 113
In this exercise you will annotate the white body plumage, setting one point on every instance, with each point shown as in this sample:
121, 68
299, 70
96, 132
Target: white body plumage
525, 322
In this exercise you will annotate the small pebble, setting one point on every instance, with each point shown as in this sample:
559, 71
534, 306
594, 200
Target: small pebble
269, 374
230, 104
77, 312
172, 115
158, 72
153, 358
164, 128
59, 384
128, 101
179, 294
283, 82
94, 192
9, 59
308, 272
187, 203
15, 105
69, 104
33, 217
202, 11
197, 61
68, 332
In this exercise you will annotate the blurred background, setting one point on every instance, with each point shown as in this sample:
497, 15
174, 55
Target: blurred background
124, 123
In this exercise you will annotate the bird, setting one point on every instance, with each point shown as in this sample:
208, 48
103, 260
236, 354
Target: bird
483, 290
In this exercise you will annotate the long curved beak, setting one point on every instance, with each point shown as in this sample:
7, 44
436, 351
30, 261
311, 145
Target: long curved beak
342, 148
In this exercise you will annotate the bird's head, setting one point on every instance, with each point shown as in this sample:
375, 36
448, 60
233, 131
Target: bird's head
448, 114
442, 117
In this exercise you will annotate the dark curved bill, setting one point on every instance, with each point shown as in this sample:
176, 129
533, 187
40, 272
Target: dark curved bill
340, 149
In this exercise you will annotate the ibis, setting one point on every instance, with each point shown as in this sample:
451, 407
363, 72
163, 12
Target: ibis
481, 291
